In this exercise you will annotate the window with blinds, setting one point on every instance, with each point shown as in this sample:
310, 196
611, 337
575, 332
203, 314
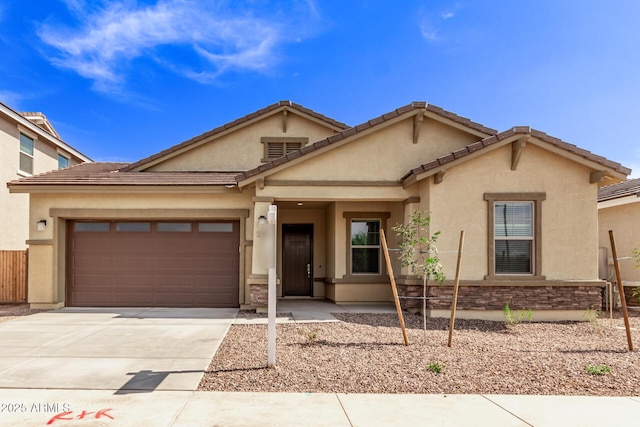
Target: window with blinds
513, 237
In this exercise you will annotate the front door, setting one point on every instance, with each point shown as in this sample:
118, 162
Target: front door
297, 260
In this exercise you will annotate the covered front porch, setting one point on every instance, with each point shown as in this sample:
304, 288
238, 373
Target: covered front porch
325, 250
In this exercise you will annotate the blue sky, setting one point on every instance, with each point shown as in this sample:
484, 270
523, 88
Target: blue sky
121, 80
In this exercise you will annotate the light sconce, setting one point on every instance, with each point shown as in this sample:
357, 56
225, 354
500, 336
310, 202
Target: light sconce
42, 224
262, 220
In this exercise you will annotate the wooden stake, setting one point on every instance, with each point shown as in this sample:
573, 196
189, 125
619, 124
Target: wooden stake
394, 289
623, 299
456, 286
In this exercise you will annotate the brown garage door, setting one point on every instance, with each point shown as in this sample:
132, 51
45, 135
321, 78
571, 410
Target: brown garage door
153, 264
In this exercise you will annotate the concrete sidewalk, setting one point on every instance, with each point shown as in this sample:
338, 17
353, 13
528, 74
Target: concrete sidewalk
141, 367
191, 409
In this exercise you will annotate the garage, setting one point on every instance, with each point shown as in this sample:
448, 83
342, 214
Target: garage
153, 263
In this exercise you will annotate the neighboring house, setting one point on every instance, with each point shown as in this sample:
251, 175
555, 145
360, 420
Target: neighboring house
619, 211
181, 227
29, 145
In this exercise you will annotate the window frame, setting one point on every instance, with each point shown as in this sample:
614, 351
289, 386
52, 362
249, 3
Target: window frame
360, 216
268, 141
536, 251
31, 155
62, 156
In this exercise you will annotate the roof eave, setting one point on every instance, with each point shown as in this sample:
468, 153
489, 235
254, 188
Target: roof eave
228, 128
123, 188
619, 201
42, 133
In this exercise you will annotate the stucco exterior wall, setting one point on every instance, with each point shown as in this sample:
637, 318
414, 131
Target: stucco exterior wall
243, 150
317, 218
14, 208
385, 155
48, 248
624, 220
569, 213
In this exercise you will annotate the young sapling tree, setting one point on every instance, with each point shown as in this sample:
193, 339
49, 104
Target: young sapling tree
419, 252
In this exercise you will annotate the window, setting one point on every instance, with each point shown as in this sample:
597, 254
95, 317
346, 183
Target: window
514, 234
63, 162
100, 227
365, 246
513, 237
215, 227
174, 227
278, 147
143, 227
26, 154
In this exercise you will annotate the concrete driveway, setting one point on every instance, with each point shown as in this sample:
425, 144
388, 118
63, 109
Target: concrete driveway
127, 350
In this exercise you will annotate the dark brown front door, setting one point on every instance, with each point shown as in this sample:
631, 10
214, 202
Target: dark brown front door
297, 259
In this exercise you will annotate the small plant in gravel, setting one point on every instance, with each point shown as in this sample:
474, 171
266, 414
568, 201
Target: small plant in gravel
512, 319
598, 369
436, 367
311, 336
593, 317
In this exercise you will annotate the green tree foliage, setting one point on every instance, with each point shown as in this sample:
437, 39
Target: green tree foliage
418, 249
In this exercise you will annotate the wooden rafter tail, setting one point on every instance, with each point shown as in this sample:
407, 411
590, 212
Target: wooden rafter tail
394, 289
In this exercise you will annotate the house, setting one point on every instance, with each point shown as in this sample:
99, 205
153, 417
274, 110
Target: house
619, 211
181, 227
29, 145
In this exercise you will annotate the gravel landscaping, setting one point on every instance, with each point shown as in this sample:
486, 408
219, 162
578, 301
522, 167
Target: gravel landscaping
11, 311
364, 353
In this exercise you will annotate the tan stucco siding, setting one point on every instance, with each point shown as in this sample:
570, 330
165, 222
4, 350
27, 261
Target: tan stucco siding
569, 217
385, 155
14, 208
341, 243
624, 220
47, 252
242, 149
337, 192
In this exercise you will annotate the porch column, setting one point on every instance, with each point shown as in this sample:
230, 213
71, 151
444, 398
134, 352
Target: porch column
258, 280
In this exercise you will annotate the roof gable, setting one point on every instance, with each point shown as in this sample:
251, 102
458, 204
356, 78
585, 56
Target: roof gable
417, 110
282, 107
520, 134
40, 125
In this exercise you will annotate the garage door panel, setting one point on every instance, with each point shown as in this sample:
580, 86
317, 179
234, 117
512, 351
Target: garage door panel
154, 268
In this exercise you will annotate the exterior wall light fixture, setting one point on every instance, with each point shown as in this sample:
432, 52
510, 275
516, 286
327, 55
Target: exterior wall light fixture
42, 224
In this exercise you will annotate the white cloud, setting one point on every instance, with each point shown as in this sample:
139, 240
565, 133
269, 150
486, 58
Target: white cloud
431, 22
11, 99
113, 34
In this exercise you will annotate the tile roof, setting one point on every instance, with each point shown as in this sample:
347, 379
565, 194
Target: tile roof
235, 123
112, 174
517, 130
630, 187
365, 126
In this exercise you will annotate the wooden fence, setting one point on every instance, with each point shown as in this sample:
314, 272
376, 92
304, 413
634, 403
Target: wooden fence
13, 276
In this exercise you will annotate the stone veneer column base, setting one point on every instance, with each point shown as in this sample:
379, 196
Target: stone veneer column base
258, 294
